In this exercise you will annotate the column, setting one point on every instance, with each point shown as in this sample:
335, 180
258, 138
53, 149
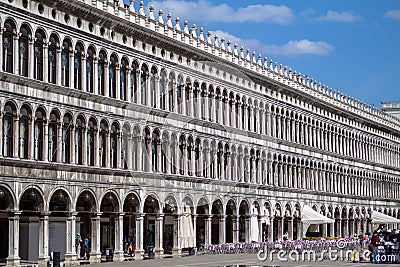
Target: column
70, 250
59, 142
106, 82
220, 109
282, 230
95, 254
235, 167
1, 121
228, 172
117, 83
177, 244
45, 62
58, 66
72, 145
31, 139
222, 231
1, 50
226, 110
206, 106
107, 148
139, 154
139, 236
46, 141
129, 152
251, 128
13, 258
159, 161
290, 231
271, 230
207, 230
193, 161
239, 119
16, 135
159, 235
16, 54
95, 76
119, 238
119, 165
43, 239
71, 69
235, 224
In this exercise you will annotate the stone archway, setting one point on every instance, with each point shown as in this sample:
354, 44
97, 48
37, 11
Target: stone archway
244, 222
59, 208
32, 227
217, 232
110, 222
152, 237
86, 220
130, 227
7, 223
202, 223
230, 222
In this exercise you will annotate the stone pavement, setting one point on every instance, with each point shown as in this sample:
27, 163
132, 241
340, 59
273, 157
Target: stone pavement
234, 260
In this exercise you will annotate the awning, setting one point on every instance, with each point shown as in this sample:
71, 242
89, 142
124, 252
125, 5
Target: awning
380, 218
310, 216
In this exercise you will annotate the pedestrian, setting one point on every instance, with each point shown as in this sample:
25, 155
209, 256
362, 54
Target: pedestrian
78, 244
86, 245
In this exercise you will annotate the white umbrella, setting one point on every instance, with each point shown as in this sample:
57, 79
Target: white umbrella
254, 228
186, 229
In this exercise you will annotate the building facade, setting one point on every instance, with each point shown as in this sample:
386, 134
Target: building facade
392, 108
116, 121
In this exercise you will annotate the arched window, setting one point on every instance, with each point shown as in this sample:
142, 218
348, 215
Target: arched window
78, 67
134, 77
143, 83
8, 46
171, 81
92, 128
53, 144
24, 51
154, 152
114, 145
25, 116
123, 86
65, 55
173, 156
39, 134
90, 70
53, 43
66, 139
101, 72
182, 147
153, 76
80, 124
8, 130
102, 143
112, 76
162, 85
38, 53
124, 147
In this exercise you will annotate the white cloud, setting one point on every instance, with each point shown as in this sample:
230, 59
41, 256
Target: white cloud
340, 17
393, 14
291, 48
205, 11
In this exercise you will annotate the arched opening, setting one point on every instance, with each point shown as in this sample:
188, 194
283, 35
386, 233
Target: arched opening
151, 228
32, 224
59, 207
216, 223
170, 225
202, 211
244, 223
131, 210
6, 205
109, 227
230, 222
85, 207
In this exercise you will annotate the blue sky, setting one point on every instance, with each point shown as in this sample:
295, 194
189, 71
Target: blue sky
351, 46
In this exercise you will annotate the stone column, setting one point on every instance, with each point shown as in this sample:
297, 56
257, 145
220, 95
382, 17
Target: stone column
95, 254
58, 66
108, 150
207, 230
45, 62
235, 224
1, 50
159, 163
139, 236
31, 139
139, 154
159, 251
138, 96
1, 122
271, 230
43, 239
16, 54
71, 257
16, 139
71, 69
106, 81
13, 258
128, 152
177, 244
206, 106
228, 172
222, 231
96, 76
193, 161
46, 141
117, 83
118, 147
119, 238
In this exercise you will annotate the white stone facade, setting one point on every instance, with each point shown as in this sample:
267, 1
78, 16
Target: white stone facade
113, 120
